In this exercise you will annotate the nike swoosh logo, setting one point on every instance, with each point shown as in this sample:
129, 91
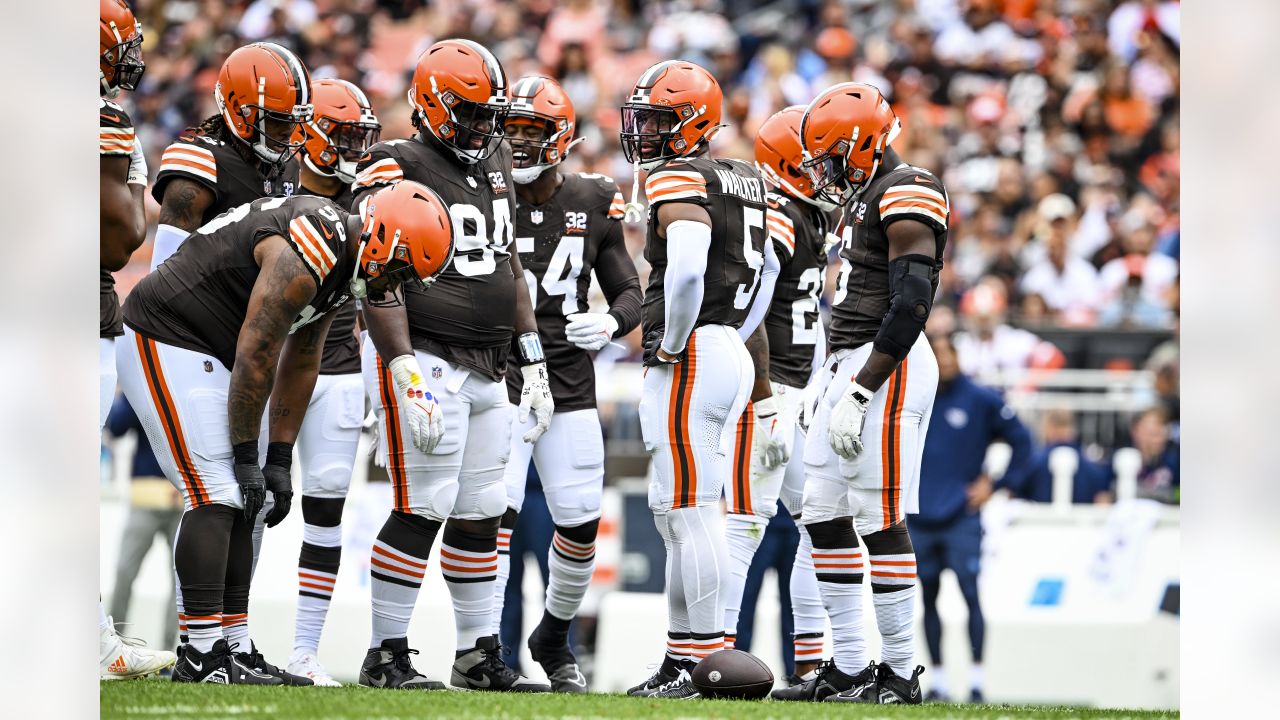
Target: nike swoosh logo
922, 179
328, 234
380, 681
483, 682
110, 118
198, 666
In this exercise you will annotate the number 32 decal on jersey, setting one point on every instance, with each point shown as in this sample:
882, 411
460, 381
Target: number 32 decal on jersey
473, 247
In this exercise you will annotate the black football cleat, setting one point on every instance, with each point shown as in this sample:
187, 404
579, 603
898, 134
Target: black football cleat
681, 688
828, 680
668, 671
886, 689
388, 666
558, 662
976, 697
218, 666
254, 659
481, 668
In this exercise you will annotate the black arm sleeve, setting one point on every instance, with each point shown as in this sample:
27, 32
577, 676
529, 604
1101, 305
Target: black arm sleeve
618, 279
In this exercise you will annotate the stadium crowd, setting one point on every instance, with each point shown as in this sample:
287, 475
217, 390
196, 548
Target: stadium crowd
1053, 122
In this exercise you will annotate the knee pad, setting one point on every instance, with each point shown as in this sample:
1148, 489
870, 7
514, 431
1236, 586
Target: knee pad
331, 479
435, 504
824, 499
584, 534
893, 540
478, 503
574, 505
837, 533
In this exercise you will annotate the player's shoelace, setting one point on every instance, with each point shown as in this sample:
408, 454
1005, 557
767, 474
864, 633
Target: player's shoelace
493, 663
400, 660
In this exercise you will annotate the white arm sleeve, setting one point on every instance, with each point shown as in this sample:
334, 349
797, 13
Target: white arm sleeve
166, 243
688, 243
764, 295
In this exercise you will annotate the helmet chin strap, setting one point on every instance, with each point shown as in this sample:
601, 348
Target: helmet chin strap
633, 211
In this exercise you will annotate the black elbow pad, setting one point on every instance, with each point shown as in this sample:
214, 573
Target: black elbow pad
911, 299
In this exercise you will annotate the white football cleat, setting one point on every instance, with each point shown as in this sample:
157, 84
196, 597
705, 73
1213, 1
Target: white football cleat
125, 658
306, 664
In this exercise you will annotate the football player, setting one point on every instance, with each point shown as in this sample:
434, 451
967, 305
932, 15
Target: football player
243, 153
343, 128
797, 224
252, 291
122, 228
706, 246
866, 438
567, 225
446, 451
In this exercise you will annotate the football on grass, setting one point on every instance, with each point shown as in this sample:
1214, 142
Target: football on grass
732, 674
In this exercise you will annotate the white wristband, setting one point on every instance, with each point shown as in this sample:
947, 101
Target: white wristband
765, 407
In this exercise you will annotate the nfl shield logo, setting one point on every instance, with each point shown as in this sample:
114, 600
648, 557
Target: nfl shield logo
208, 366
536, 217
436, 372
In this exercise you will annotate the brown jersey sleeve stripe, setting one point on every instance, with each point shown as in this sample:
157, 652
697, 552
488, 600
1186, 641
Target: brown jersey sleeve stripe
891, 446
395, 451
170, 424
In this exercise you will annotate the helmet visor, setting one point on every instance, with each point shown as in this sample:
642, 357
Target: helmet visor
352, 140
646, 132
478, 127
126, 59
828, 174
282, 132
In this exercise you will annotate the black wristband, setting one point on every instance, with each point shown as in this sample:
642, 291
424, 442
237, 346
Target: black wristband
245, 453
529, 345
280, 454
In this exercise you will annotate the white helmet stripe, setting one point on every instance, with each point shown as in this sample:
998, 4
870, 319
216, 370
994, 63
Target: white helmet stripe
651, 75
496, 77
296, 69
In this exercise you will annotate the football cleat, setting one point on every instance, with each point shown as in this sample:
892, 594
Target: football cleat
481, 668
665, 673
218, 666
388, 666
976, 697
679, 689
827, 681
125, 658
886, 689
558, 661
254, 659
304, 663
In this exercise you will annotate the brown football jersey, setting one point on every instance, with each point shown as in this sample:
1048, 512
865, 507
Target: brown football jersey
341, 349
561, 242
862, 297
468, 315
214, 163
115, 137
199, 297
798, 232
734, 196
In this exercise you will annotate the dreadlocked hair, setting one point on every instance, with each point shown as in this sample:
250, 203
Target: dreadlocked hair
214, 126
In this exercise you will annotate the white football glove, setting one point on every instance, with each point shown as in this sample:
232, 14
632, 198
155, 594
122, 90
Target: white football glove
137, 165
536, 395
847, 417
590, 331
425, 418
773, 433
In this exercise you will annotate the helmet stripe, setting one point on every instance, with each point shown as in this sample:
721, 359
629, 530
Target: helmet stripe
301, 79
653, 73
496, 77
356, 92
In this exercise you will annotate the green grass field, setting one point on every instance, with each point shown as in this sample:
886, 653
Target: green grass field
163, 699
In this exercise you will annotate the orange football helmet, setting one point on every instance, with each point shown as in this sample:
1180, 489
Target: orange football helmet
779, 155
845, 132
120, 63
674, 110
342, 128
539, 102
407, 234
459, 94
264, 94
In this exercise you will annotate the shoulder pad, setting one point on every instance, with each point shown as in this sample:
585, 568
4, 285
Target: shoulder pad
190, 158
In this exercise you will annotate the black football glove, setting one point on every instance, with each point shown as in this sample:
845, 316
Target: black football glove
652, 342
249, 478
279, 481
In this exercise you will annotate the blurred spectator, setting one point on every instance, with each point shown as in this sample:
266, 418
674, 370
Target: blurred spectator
989, 346
1131, 307
1164, 364
1093, 482
1067, 283
1158, 478
947, 533
155, 509
1155, 272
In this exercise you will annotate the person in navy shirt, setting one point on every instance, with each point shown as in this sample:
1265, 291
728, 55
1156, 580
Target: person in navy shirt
947, 533
1158, 477
1093, 481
